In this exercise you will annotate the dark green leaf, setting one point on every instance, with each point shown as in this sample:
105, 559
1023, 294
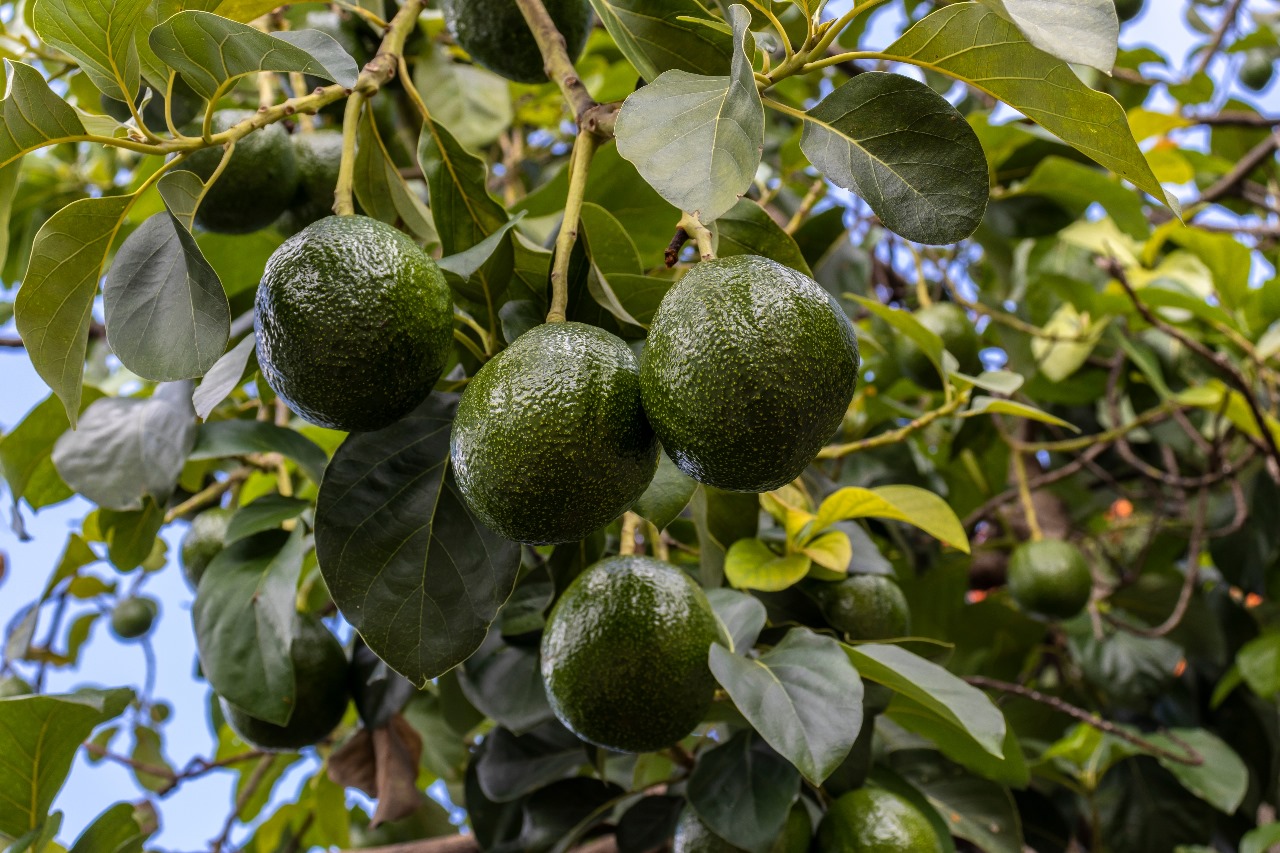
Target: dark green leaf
653, 37
743, 790
748, 229
721, 518
423, 583
237, 438
182, 192
266, 513
1221, 779
505, 682
226, 375
668, 494
977, 810
99, 36
382, 191
131, 536
113, 831
511, 766
31, 115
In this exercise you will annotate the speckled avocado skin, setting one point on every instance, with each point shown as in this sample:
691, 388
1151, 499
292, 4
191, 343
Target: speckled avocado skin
866, 607
748, 370
495, 34
624, 654
550, 441
354, 323
320, 672
257, 184
318, 155
873, 820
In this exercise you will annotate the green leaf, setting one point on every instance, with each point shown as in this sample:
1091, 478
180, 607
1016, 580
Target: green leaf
697, 139
1068, 182
976, 810
1259, 663
221, 439
669, 492
611, 252
26, 452
905, 322
39, 736
167, 315
721, 518
31, 115
1261, 840
245, 618
803, 696
98, 34
473, 103
751, 564
210, 51
1221, 780
148, 750
971, 43
748, 229
382, 191
937, 690
406, 562
266, 513
905, 150
504, 682
1083, 32
460, 270
113, 831
226, 375
742, 615
55, 304
654, 39
913, 505
182, 192
743, 791
8, 188
991, 406
511, 766
128, 448
131, 536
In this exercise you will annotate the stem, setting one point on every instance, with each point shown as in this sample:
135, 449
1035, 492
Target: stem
168, 108
777, 25
206, 496
584, 148
836, 451
559, 68
701, 234
660, 548
1024, 494
627, 545
343, 202
817, 190
250, 788
783, 108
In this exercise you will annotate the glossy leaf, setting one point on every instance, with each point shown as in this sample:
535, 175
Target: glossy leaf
905, 150
743, 790
697, 139
100, 36
31, 115
657, 36
911, 504
511, 766
226, 375
1083, 32
423, 583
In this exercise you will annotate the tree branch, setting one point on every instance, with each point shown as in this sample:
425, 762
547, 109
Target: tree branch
1252, 160
592, 117
1228, 19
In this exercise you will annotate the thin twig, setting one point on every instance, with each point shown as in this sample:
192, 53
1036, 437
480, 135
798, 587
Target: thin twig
1188, 584
1228, 19
246, 793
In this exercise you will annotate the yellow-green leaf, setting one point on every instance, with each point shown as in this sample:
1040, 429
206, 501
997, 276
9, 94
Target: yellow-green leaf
831, 550
750, 564
913, 505
994, 406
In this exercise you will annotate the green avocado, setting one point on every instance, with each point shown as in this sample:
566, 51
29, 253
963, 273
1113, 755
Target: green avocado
186, 106
550, 441
1127, 10
865, 607
257, 184
1258, 69
1050, 577
748, 371
354, 323
320, 678
693, 836
204, 540
948, 321
133, 617
873, 820
319, 155
624, 654
496, 35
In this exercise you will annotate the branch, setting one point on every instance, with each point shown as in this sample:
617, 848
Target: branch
592, 117
836, 451
1188, 585
1252, 160
584, 148
259, 771
1228, 19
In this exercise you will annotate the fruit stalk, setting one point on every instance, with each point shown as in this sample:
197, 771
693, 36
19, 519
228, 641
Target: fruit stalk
592, 117
584, 148
701, 235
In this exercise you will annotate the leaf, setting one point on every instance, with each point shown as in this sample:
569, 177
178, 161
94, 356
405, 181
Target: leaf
721, 518
167, 315
742, 615
945, 695
1083, 32
245, 618
131, 536
406, 562
39, 737
1261, 840
803, 696
148, 749
905, 322
460, 269
748, 229
8, 188
99, 35
113, 831
668, 493
991, 406
266, 513
511, 766
971, 43
382, 191
976, 810
128, 448
55, 303
1068, 182
182, 192
504, 682
743, 791
653, 37
697, 139
221, 439
226, 375
905, 150
831, 550
913, 505
32, 115
1259, 663
209, 51
1221, 780
751, 564
1073, 337
473, 103
26, 452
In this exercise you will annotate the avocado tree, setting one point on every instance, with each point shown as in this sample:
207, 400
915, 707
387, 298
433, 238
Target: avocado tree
651, 424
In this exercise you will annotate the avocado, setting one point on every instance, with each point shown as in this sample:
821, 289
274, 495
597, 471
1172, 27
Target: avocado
948, 321
1257, 70
320, 679
865, 607
132, 618
1127, 10
624, 654
204, 540
551, 441
1050, 577
495, 34
257, 184
319, 156
354, 323
748, 370
874, 820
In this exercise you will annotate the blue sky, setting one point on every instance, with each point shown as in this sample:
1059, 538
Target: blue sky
194, 813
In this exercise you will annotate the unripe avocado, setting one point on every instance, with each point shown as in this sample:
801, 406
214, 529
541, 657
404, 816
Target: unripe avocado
257, 184
1127, 10
873, 820
865, 607
1050, 577
204, 540
550, 441
748, 371
354, 323
1258, 69
948, 321
320, 676
693, 836
319, 155
133, 617
624, 654
495, 34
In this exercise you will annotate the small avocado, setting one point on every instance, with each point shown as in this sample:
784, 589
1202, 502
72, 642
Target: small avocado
865, 607
496, 35
257, 184
319, 156
948, 321
204, 540
1258, 69
874, 820
1050, 577
132, 618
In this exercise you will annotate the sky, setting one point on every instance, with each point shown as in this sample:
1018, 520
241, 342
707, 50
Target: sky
194, 813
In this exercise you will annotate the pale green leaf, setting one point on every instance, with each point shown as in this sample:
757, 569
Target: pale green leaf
473, 103
98, 33
994, 406
831, 550
913, 505
224, 377
749, 564
1084, 32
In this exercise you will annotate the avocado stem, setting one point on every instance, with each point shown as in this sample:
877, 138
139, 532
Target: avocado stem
584, 148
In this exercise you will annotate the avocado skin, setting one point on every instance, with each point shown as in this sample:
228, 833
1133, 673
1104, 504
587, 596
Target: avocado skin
873, 820
133, 617
1257, 71
624, 654
319, 156
320, 675
948, 321
748, 371
258, 183
495, 34
865, 607
1050, 577
204, 540
550, 441
354, 323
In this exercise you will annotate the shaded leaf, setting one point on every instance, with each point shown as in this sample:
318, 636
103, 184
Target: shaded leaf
504, 682
221, 439
748, 229
1221, 780
743, 791
655, 36
100, 36
668, 493
511, 766
974, 809
113, 831
381, 189
182, 192
266, 513
226, 375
